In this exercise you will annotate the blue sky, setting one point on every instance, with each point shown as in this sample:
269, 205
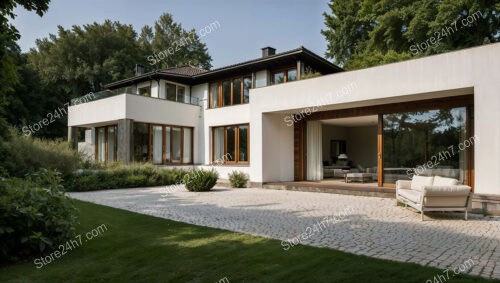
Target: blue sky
245, 26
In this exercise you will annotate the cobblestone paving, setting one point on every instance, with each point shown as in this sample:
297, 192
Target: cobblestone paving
361, 225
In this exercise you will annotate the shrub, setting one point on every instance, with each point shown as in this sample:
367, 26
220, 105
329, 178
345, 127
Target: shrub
35, 215
116, 176
238, 179
27, 155
200, 180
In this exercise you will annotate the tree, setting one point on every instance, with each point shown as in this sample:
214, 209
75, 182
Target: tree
83, 59
170, 45
370, 32
8, 37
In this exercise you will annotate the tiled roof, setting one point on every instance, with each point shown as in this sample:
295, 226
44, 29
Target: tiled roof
185, 70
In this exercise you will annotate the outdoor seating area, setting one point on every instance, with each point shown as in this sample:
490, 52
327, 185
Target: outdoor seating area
433, 193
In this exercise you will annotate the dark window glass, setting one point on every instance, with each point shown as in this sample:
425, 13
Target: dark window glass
243, 143
231, 143
291, 75
237, 91
279, 78
145, 91
226, 92
141, 138
247, 85
181, 94
171, 92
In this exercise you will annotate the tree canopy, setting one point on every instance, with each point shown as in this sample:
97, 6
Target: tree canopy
363, 33
81, 59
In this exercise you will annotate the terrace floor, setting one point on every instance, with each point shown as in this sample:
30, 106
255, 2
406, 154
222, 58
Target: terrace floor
370, 226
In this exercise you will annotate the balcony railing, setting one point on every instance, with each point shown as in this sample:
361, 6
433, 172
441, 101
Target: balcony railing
109, 93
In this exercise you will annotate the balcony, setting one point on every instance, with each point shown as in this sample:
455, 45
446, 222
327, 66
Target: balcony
124, 90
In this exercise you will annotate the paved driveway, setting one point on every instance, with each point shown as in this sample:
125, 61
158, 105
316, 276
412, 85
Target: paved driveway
362, 225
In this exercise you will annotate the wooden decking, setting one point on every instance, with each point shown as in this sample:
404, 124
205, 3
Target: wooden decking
334, 187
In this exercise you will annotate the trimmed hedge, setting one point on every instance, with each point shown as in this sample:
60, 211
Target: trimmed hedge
200, 180
117, 176
35, 216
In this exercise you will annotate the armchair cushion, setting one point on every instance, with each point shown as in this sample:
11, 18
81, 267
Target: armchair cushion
412, 195
446, 190
442, 181
419, 182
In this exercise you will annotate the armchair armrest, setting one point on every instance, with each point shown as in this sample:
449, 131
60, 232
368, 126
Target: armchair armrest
403, 184
460, 190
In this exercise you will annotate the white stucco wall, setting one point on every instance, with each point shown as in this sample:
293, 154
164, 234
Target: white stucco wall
97, 112
474, 70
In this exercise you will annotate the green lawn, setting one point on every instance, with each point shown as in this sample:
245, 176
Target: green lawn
139, 248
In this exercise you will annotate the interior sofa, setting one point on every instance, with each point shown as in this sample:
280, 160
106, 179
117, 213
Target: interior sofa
433, 193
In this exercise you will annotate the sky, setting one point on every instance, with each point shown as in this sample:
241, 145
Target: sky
245, 26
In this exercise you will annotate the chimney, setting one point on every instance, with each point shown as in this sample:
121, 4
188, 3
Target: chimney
139, 69
268, 51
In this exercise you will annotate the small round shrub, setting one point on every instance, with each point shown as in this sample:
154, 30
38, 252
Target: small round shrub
200, 180
238, 179
35, 216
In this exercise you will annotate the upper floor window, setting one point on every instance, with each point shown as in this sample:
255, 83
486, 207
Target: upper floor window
230, 92
283, 76
144, 91
175, 92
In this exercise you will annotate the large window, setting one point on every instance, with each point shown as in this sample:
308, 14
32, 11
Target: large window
283, 76
230, 92
141, 142
230, 144
106, 144
163, 144
429, 142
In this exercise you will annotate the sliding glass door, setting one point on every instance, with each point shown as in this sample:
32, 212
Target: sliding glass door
432, 142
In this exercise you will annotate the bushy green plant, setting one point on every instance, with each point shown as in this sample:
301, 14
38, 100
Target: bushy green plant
200, 180
238, 179
27, 155
116, 176
35, 215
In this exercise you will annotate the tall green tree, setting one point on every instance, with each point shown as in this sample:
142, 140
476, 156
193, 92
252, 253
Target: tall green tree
169, 45
370, 32
83, 59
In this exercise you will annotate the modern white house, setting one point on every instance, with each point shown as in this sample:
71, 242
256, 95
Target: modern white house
436, 115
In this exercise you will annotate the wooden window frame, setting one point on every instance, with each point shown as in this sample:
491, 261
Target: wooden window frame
285, 74
237, 144
220, 95
106, 144
164, 144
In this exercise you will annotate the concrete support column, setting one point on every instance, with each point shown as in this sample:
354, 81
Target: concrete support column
73, 137
125, 140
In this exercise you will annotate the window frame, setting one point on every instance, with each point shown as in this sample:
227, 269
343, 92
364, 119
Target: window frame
220, 95
164, 144
106, 145
237, 144
285, 74
177, 87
